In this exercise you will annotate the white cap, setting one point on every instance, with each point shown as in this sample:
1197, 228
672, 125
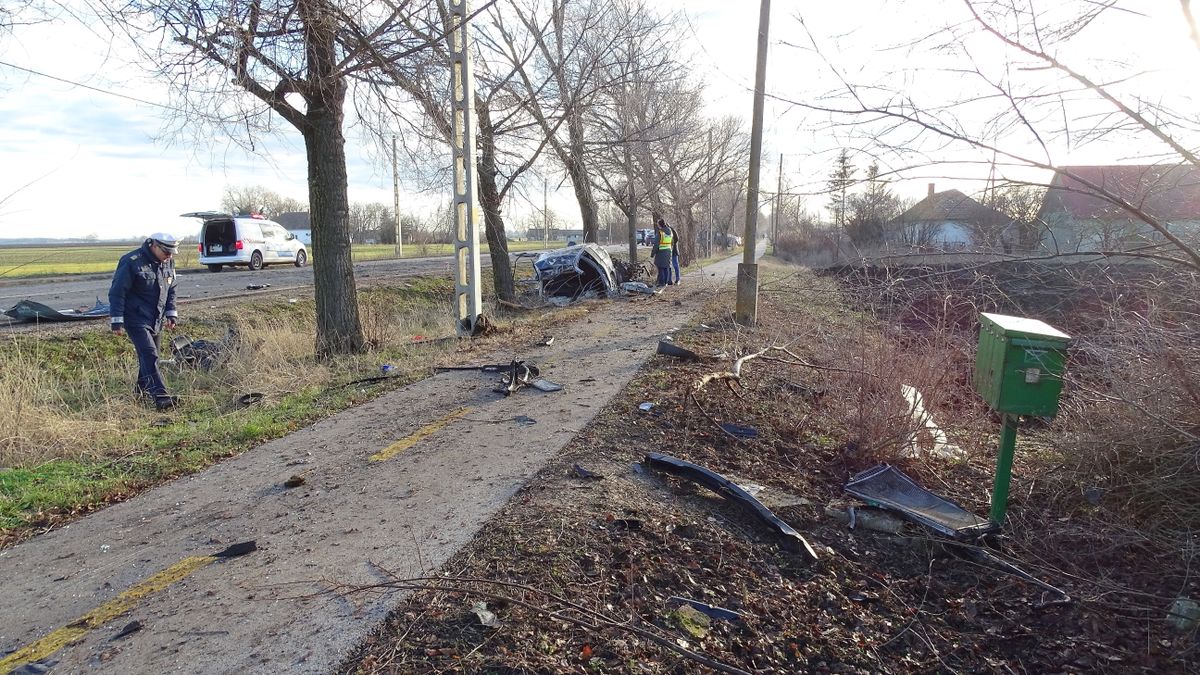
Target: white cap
167, 241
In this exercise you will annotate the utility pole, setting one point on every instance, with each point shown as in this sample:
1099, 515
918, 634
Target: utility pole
467, 288
396, 198
747, 276
777, 210
711, 187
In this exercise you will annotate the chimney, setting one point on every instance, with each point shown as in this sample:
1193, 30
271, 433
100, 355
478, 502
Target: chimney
931, 189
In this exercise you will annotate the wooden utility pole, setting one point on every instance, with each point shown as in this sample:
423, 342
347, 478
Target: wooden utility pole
467, 287
775, 213
747, 276
396, 198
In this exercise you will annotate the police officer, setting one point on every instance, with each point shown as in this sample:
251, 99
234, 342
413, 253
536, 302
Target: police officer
141, 300
663, 243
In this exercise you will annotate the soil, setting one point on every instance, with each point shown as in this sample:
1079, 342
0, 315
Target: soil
581, 571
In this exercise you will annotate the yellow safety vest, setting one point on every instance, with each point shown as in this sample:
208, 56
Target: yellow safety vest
665, 240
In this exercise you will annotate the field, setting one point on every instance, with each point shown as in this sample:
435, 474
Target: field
40, 261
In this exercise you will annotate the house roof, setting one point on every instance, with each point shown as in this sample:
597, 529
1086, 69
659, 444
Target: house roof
1162, 191
950, 205
294, 220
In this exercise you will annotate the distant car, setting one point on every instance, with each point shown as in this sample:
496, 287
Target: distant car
246, 240
644, 237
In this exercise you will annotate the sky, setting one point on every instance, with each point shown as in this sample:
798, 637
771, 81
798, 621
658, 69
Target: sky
81, 151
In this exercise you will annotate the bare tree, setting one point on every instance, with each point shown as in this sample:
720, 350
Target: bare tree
509, 142
256, 199
557, 50
238, 66
1030, 101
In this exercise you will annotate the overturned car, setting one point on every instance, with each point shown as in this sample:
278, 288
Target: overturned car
576, 271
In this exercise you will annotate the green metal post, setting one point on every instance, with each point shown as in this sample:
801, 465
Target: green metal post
1008, 444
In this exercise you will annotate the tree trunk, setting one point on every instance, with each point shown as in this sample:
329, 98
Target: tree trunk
502, 274
338, 328
577, 168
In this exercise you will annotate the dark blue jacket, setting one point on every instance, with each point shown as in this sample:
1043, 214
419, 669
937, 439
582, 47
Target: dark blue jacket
143, 289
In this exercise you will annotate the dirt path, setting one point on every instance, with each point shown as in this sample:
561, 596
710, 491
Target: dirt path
400, 483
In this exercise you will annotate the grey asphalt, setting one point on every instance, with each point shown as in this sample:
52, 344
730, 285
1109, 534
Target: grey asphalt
195, 285
276, 610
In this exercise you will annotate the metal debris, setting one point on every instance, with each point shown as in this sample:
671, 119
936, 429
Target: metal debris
546, 385
887, 487
730, 490
708, 610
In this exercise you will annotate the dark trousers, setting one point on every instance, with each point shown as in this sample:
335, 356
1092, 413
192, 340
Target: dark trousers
145, 343
675, 266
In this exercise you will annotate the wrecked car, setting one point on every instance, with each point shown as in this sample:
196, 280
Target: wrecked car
575, 271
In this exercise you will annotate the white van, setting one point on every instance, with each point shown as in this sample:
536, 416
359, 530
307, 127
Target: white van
252, 241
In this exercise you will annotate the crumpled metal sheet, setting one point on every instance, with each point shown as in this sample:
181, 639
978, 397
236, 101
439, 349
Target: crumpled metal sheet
888, 487
573, 271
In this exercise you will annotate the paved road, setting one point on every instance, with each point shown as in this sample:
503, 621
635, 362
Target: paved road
201, 285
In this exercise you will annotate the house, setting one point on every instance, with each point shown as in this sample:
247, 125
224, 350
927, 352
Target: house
298, 223
1082, 209
950, 220
556, 234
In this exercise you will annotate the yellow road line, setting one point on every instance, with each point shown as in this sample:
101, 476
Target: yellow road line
417, 436
101, 615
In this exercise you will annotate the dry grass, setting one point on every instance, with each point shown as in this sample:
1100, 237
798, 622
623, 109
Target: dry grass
69, 395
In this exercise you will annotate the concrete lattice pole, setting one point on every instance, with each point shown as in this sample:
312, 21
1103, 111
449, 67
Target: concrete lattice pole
747, 276
467, 287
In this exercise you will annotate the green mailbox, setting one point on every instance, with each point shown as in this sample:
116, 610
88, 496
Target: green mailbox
1018, 371
1019, 366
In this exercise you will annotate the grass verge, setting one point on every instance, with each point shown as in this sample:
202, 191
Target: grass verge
73, 437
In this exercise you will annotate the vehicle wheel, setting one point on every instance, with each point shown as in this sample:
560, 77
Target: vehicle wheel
301, 258
256, 262
215, 268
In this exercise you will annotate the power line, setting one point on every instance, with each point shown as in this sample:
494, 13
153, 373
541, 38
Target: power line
89, 87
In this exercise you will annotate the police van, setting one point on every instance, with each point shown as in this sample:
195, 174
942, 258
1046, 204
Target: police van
252, 241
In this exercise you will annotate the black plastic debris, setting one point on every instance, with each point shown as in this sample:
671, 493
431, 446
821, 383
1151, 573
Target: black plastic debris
628, 524
887, 487
238, 550
739, 430
31, 310
708, 610
202, 354
546, 341
294, 482
525, 420
129, 629
247, 400
585, 474
667, 349
730, 490
257, 287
